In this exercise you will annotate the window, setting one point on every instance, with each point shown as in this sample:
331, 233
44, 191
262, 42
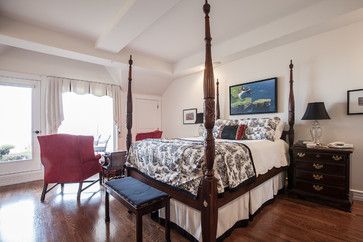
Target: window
89, 115
15, 123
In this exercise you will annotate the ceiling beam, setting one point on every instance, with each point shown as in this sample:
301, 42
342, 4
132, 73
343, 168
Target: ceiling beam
133, 18
29, 37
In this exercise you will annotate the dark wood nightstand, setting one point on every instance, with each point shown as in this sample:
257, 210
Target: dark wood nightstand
321, 175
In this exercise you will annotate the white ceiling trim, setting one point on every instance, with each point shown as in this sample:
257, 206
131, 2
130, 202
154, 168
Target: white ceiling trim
25, 36
128, 24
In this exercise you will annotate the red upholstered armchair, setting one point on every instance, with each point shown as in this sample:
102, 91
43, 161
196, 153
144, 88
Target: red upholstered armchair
68, 159
149, 135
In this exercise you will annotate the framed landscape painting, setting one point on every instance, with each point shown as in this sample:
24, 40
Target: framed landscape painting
253, 97
189, 116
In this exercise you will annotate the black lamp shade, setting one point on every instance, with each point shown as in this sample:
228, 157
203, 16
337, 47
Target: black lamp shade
199, 119
315, 111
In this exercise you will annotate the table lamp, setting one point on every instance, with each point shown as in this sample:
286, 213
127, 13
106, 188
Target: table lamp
316, 111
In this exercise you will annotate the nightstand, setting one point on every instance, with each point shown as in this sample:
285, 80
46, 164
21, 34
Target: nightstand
114, 165
321, 175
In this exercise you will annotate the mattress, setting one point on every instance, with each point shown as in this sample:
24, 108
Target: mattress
266, 154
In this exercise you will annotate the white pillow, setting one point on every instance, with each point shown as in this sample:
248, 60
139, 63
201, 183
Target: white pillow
279, 129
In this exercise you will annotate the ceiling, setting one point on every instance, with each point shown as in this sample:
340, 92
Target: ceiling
178, 33
81, 18
164, 36
173, 36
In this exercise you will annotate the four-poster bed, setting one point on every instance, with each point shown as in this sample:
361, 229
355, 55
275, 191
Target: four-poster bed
208, 201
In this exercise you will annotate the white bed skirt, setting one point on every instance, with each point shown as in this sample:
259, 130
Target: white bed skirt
241, 208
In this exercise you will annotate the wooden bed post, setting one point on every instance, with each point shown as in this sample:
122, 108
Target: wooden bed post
291, 133
209, 184
218, 108
129, 108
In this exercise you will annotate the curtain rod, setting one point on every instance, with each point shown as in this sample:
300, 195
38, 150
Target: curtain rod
20, 78
114, 84
40, 78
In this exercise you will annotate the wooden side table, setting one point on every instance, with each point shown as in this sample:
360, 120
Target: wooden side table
322, 175
114, 165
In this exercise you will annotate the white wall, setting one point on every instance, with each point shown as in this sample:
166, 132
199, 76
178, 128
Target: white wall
326, 66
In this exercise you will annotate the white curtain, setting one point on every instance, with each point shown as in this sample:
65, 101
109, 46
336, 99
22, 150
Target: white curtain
116, 97
53, 104
55, 86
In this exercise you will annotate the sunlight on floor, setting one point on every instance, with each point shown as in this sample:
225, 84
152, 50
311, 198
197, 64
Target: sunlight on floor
17, 221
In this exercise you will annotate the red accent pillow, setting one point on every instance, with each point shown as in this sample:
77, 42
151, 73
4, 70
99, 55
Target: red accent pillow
240, 134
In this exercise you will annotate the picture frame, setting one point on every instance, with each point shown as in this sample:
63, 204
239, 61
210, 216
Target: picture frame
189, 116
355, 102
255, 97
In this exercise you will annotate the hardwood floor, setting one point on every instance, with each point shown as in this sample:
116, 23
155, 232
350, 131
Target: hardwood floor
62, 218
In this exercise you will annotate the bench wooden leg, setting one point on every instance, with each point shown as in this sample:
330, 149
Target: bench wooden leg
138, 227
167, 221
107, 207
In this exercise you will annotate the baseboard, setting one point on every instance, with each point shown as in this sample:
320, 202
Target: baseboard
22, 177
357, 194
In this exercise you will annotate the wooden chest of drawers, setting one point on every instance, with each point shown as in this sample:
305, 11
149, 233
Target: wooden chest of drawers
321, 175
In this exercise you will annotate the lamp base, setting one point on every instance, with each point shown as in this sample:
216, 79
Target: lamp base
316, 132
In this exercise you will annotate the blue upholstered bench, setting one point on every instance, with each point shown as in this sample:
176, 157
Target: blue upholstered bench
138, 198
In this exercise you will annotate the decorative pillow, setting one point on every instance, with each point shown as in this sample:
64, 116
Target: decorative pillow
229, 132
279, 129
241, 131
256, 128
239, 135
215, 131
261, 128
220, 123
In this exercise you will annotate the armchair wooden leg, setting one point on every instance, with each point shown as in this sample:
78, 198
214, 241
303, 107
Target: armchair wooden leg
79, 190
45, 186
62, 187
107, 207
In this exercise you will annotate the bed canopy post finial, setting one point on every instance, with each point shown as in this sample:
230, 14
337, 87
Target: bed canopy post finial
129, 107
291, 133
209, 211
217, 103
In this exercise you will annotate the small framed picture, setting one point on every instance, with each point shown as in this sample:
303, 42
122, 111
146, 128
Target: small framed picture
355, 102
189, 116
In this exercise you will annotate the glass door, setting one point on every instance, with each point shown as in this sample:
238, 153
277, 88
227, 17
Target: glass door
19, 125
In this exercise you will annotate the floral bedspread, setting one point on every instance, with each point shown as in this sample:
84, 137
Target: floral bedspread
180, 163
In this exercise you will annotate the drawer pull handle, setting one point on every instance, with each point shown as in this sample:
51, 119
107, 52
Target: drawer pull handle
318, 166
301, 155
337, 157
318, 177
317, 156
318, 188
